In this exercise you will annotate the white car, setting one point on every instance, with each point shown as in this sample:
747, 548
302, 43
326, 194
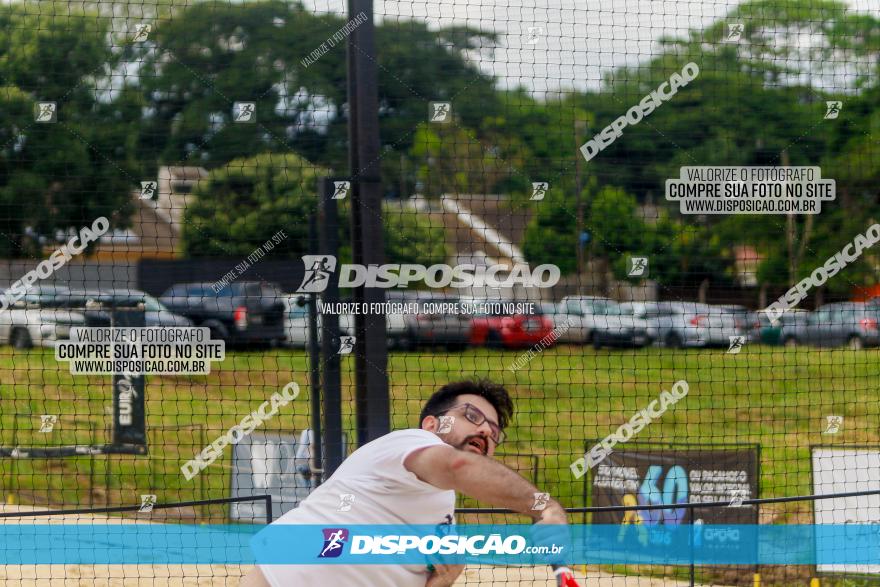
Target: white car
32, 321
296, 326
584, 314
296, 323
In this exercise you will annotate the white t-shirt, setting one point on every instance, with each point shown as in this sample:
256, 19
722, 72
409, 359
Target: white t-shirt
385, 492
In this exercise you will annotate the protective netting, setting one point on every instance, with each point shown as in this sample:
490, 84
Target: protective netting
651, 222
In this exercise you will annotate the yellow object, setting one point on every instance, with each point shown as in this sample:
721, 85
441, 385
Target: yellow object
756, 579
814, 582
632, 517
10, 499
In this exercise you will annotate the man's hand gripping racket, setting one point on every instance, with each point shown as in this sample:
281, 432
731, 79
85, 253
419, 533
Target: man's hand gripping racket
552, 529
564, 577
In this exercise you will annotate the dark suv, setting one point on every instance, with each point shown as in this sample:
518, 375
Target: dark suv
241, 312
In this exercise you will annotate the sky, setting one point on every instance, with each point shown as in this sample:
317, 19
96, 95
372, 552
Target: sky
574, 43
582, 39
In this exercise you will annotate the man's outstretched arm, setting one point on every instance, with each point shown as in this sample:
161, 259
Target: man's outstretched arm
483, 479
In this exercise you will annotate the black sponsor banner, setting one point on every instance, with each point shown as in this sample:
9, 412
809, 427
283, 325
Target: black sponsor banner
632, 477
129, 425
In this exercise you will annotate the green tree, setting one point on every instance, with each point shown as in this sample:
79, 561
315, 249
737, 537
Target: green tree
615, 227
451, 159
410, 237
239, 206
551, 235
215, 53
56, 176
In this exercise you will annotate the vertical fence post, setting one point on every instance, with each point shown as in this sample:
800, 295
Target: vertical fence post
14, 468
317, 464
692, 569
93, 440
331, 386
367, 244
203, 442
269, 514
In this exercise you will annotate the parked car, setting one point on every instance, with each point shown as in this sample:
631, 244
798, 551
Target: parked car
619, 326
847, 323
241, 312
37, 319
97, 305
742, 317
691, 324
498, 329
397, 325
788, 330
398, 332
652, 313
581, 313
431, 328
296, 323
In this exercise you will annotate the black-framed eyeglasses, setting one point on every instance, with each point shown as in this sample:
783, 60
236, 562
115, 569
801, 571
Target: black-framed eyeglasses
473, 415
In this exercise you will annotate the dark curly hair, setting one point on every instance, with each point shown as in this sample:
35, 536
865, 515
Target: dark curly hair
445, 397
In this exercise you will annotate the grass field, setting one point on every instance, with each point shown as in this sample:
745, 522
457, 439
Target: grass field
772, 396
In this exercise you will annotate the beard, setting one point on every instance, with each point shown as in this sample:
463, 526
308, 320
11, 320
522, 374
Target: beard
465, 443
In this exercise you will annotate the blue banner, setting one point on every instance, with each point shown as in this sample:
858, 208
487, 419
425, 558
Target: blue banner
740, 544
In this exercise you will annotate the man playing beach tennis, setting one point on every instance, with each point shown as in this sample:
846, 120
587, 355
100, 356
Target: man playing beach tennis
410, 477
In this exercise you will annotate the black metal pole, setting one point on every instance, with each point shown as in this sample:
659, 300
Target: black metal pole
269, 514
331, 386
368, 248
316, 466
692, 570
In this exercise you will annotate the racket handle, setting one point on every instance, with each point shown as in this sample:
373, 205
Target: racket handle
564, 577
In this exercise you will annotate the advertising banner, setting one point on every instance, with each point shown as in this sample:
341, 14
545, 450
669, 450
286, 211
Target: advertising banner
634, 476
